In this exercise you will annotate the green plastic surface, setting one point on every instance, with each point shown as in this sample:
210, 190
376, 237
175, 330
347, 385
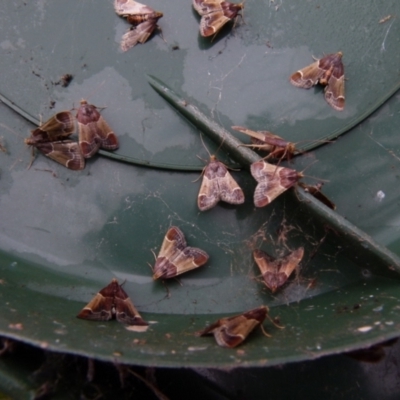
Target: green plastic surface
64, 237
240, 78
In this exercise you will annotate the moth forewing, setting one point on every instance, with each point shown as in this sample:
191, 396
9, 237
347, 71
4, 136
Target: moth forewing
218, 184
232, 331
58, 127
276, 271
94, 132
307, 77
98, 309
126, 312
112, 302
175, 257
272, 181
66, 153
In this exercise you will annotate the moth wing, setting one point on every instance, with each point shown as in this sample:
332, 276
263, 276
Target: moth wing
307, 77
209, 194
263, 260
98, 309
130, 7
211, 23
229, 190
273, 181
291, 261
334, 92
58, 127
138, 34
67, 154
189, 258
127, 313
108, 138
204, 7
174, 240
89, 141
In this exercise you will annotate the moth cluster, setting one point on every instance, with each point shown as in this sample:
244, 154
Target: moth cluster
214, 15
53, 137
175, 257
327, 71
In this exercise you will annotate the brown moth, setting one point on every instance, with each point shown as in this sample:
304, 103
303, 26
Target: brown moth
276, 272
112, 302
315, 190
232, 331
50, 139
267, 141
217, 185
141, 16
329, 72
272, 181
175, 257
215, 14
94, 132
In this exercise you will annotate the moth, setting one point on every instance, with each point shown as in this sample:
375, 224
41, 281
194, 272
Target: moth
94, 132
112, 302
215, 14
315, 190
217, 185
329, 72
142, 17
232, 331
272, 181
175, 257
276, 272
267, 141
51, 139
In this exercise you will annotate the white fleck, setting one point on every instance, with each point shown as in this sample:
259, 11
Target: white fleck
137, 328
318, 346
197, 348
380, 195
378, 309
364, 329
377, 323
389, 322
13, 264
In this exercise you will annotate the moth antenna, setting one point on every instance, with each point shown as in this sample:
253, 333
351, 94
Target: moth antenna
168, 295
161, 34
274, 323
264, 331
204, 145
154, 254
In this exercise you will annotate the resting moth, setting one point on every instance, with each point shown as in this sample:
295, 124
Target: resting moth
267, 141
112, 302
232, 331
49, 139
217, 185
215, 14
175, 257
276, 272
315, 190
329, 72
94, 132
141, 16
272, 181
